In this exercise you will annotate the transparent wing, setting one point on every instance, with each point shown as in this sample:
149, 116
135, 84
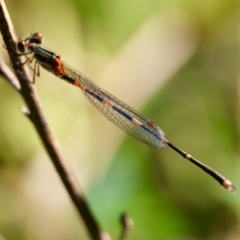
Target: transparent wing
119, 113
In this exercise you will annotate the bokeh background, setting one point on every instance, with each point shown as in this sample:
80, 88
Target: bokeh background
176, 62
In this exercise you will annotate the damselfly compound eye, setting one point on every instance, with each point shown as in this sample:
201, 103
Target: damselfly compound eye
22, 46
36, 38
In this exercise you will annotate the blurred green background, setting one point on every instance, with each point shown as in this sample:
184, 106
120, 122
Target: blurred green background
176, 62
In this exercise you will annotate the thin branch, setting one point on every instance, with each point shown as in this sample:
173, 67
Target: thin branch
38, 119
8, 74
126, 224
2, 238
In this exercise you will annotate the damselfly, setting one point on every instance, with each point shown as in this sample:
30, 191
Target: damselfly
119, 113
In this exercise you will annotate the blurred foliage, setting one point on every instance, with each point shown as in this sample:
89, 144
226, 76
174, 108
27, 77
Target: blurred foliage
178, 58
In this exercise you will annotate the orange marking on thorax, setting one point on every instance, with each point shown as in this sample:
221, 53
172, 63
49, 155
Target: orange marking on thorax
58, 66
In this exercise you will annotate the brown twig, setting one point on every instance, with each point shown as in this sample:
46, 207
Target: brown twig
126, 224
35, 114
8, 74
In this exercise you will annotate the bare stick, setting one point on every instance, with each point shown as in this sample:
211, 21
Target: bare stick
8, 74
38, 119
126, 224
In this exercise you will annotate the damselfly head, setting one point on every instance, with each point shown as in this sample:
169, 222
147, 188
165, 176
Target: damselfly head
23, 46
